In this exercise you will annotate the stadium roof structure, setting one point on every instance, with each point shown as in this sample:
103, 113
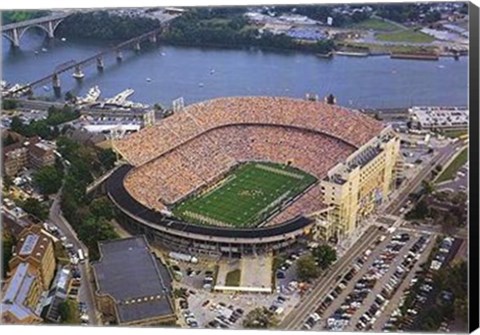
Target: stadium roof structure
129, 273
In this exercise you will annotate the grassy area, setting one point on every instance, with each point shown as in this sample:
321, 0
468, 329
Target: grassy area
68, 311
380, 48
456, 164
60, 253
405, 36
246, 196
375, 24
455, 133
233, 278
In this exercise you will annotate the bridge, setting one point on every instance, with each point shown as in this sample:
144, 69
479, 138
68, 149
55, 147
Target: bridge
14, 31
77, 66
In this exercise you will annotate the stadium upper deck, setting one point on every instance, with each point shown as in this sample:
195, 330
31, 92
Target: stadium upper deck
349, 126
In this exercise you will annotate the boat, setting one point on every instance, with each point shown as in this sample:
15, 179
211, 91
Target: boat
212, 71
200, 84
121, 97
163, 54
148, 79
92, 95
44, 50
63, 39
36, 52
351, 53
327, 55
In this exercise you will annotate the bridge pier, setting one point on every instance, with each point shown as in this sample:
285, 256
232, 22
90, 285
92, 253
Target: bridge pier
100, 64
136, 46
57, 90
15, 39
119, 56
50, 30
78, 74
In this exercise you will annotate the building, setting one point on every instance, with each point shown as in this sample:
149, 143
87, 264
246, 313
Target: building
15, 158
123, 264
353, 157
20, 296
41, 154
35, 248
355, 188
15, 221
57, 295
439, 118
32, 153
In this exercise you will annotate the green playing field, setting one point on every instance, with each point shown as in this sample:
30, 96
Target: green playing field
246, 197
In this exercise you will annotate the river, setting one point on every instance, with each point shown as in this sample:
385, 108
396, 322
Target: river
198, 74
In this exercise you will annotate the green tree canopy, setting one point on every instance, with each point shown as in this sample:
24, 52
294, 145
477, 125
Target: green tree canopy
48, 180
307, 268
325, 255
260, 318
68, 311
35, 208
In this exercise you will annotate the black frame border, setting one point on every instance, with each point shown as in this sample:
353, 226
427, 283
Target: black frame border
473, 259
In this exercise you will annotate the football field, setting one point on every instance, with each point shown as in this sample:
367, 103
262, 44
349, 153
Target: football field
246, 197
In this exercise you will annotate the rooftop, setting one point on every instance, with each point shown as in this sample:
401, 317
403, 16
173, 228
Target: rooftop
131, 275
17, 291
30, 242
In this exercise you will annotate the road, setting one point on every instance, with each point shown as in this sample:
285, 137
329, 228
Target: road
311, 300
443, 156
309, 303
85, 294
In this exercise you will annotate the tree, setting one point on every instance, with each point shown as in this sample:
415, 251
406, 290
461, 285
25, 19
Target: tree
48, 180
107, 157
8, 104
307, 268
102, 207
17, 125
260, 318
325, 255
448, 223
69, 96
420, 211
68, 312
8, 242
429, 187
35, 208
7, 182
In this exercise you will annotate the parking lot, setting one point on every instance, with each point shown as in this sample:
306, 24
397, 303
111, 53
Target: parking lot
363, 293
220, 310
420, 287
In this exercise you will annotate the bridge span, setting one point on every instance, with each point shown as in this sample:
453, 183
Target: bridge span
77, 66
14, 31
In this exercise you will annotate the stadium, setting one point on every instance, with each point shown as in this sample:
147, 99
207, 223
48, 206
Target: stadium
246, 174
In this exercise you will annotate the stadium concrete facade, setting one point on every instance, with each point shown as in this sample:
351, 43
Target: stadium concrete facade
352, 156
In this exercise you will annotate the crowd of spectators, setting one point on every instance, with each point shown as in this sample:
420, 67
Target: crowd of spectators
196, 147
350, 126
206, 158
